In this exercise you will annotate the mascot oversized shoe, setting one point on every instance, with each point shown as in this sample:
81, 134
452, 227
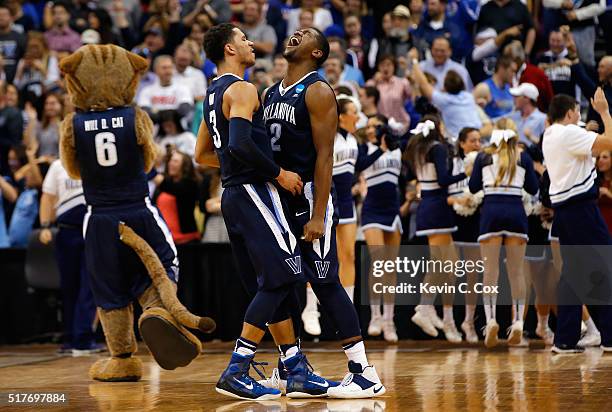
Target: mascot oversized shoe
171, 345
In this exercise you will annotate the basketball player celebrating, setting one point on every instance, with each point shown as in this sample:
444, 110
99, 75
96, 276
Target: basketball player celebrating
301, 120
568, 153
263, 245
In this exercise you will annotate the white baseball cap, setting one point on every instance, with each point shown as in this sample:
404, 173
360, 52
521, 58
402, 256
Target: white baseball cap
527, 90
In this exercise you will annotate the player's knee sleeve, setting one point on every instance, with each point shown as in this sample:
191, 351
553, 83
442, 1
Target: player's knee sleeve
336, 303
290, 308
264, 305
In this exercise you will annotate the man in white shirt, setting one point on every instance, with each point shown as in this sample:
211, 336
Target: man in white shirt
530, 121
165, 94
187, 75
569, 154
62, 201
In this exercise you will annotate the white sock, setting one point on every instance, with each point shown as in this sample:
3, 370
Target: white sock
543, 320
355, 352
291, 352
388, 311
448, 314
311, 300
375, 309
591, 328
469, 313
519, 308
350, 291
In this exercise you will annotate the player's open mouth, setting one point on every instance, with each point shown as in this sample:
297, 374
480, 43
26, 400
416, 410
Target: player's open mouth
294, 41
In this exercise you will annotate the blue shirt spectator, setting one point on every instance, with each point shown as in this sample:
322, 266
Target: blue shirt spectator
530, 122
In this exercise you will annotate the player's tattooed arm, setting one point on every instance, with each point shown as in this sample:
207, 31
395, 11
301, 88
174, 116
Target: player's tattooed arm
205, 149
144, 138
323, 111
68, 148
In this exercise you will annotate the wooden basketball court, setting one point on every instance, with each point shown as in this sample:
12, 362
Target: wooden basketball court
424, 375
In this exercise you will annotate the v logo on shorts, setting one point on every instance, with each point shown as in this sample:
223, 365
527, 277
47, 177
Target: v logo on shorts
322, 268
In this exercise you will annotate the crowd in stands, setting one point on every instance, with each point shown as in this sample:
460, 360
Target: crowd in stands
470, 62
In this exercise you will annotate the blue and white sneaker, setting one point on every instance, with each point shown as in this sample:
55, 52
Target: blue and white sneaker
358, 383
278, 379
302, 382
236, 382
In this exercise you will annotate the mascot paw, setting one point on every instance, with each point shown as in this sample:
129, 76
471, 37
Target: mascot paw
170, 344
116, 370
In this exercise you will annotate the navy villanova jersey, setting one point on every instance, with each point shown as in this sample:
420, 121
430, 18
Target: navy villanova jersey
110, 160
233, 171
288, 124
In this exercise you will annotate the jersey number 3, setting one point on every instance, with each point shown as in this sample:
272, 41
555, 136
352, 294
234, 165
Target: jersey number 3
212, 119
106, 151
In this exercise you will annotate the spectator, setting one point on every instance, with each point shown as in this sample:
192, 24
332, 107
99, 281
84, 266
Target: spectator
481, 62
62, 201
580, 16
556, 65
214, 225
604, 171
187, 75
588, 86
12, 100
79, 15
261, 34
306, 20
334, 70
440, 63
37, 72
498, 86
9, 194
60, 37
176, 198
530, 122
351, 72
45, 134
456, 105
434, 24
482, 96
393, 90
462, 15
12, 43
398, 41
322, 17
100, 21
165, 94
219, 11
503, 14
416, 8
22, 22
358, 47
29, 179
131, 10
171, 133
11, 129
529, 73
279, 69
369, 98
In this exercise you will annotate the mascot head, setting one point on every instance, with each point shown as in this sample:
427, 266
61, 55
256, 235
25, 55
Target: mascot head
102, 76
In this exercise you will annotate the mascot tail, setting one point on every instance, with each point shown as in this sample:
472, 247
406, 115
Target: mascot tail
162, 283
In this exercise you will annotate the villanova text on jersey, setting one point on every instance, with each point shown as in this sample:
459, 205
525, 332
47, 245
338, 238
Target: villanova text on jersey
288, 126
110, 159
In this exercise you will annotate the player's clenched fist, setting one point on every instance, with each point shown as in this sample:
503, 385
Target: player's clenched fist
290, 181
314, 229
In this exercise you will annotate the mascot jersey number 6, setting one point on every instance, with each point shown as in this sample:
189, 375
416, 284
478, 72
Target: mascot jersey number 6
129, 251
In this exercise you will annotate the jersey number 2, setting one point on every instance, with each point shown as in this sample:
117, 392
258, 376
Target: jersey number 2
275, 131
106, 151
212, 118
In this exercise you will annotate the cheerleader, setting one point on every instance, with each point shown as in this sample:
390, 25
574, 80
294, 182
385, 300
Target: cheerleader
349, 157
380, 219
467, 217
502, 171
428, 156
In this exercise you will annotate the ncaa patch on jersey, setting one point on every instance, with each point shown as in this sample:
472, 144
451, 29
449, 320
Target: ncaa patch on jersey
299, 88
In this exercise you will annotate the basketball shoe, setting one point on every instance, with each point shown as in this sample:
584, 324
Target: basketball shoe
359, 382
236, 382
